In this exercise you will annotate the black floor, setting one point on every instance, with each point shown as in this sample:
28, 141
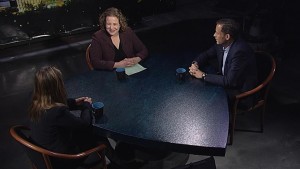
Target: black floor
188, 29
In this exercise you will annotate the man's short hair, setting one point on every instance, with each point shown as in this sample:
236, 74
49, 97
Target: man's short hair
229, 26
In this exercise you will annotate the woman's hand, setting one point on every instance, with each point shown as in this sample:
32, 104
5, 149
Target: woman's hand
127, 62
80, 100
133, 60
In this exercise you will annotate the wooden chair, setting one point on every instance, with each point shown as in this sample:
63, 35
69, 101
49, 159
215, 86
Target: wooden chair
87, 58
266, 66
41, 158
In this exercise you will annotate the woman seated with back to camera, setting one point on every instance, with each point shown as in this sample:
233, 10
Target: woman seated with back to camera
53, 126
115, 45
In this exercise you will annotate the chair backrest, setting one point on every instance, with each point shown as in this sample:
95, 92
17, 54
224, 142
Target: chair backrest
266, 66
87, 58
40, 157
37, 158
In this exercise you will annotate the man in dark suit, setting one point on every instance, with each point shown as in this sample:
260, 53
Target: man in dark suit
236, 62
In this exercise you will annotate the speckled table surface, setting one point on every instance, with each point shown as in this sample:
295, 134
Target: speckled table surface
151, 108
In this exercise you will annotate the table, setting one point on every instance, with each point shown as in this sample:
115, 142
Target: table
153, 109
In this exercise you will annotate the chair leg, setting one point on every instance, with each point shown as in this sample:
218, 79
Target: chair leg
230, 135
102, 154
232, 127
33, 166
262, 116
47, 161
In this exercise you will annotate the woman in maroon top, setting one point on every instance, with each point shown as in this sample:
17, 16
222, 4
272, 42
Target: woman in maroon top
115, 44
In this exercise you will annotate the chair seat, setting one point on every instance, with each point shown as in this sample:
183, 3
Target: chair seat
260, 103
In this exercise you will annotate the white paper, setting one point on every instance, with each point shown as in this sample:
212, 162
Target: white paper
134, 69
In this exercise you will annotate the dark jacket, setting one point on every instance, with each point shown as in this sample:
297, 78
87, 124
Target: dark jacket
240, 72
56, 129
102, 51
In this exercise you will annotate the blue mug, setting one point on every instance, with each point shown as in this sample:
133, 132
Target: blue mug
180, 74
97, 108
120, 73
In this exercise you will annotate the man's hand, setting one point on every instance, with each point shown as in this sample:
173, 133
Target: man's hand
195, 71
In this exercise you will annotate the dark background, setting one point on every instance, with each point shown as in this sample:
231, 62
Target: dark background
75, 16
277, 20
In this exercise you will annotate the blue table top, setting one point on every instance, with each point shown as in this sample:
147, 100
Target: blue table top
153, 109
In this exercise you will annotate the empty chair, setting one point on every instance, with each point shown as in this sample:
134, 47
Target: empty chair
265, 69
87, 58
41, 158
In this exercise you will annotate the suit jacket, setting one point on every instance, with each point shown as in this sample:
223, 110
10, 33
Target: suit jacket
55, 129
240, 71
102, 51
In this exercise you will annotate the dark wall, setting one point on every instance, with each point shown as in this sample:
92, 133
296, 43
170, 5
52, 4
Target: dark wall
42, 21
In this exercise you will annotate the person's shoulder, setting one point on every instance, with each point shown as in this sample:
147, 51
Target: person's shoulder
242, 46
58, 107
99, 34
55, 112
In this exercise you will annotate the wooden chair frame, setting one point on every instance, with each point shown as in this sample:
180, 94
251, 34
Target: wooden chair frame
15, 133
87, 57
264, 85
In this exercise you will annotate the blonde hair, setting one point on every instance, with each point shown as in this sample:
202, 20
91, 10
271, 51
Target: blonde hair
113, 12
49, 91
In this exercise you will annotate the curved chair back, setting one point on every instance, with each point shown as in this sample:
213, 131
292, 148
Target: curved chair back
266, 66
38, 160
87, 58
41, 158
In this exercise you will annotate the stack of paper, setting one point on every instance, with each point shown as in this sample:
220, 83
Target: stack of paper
134, 69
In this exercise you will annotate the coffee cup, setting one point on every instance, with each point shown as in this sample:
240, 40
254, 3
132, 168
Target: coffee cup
97, 109
120, 73
180, 74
